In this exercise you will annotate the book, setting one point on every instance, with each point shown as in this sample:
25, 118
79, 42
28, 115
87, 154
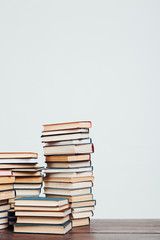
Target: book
68, 164
59, 132
43, 228
69, 149
27, 185
67, 170
17, 165
67, 192
82, 209
41, 208
4, 187
28, 170
41, 220
69, 142
80, 222
68, 179
3, 226
4, 207
56, 138
28, 179
72, 199
26, 192
4, 220
26, 174
3, 214
82, 214
63, 213
6, 180
69, 174
5, 173
66, 185
66, 126
83, 204
68, 158
7, 194
41, 201
18, 155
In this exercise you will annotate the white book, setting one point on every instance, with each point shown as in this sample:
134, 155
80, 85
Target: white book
67, 170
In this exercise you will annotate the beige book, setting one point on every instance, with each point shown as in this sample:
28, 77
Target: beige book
66, 126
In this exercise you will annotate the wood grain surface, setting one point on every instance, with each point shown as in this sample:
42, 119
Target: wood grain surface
99, 229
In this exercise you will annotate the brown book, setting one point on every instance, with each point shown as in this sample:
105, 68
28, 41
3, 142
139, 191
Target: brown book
78, 198
71, 180
69, 149
41, 220
4, 187
68, 158
80, 222
18, 155
66, 185
83, 204
7, 180
7, 194
67, 192
65, 126
17, 165
28, 180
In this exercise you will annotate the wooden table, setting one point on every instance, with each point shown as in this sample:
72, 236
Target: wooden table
99, 230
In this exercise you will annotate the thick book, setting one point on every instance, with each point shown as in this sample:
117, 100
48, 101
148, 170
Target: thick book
68, 125
6, 179
63, 213
28, 179
80, 222
57, 138
66, 185
68, 158
4, 207
69, 142
72, 199
3, 226
7, 194
70, 131
76, 215
27, 185
27, 174
68, 164
4, 187
67, 192
4, 214
69, 149
41, 201
18, 155
17, 165
70, 174
41, 208
4, 220
69, 180
2, 202
82, 209
68, 170
26, 192
41, 220
83, 204
42, 228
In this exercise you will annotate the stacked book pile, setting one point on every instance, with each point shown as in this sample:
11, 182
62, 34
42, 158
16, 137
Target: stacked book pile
42, 215
28, 177
69, 172
6, 193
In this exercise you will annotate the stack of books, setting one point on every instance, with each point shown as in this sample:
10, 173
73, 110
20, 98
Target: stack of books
42, 215
28, 176
69, 172
6, 193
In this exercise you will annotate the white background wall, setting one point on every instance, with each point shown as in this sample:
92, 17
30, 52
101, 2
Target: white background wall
88, 60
